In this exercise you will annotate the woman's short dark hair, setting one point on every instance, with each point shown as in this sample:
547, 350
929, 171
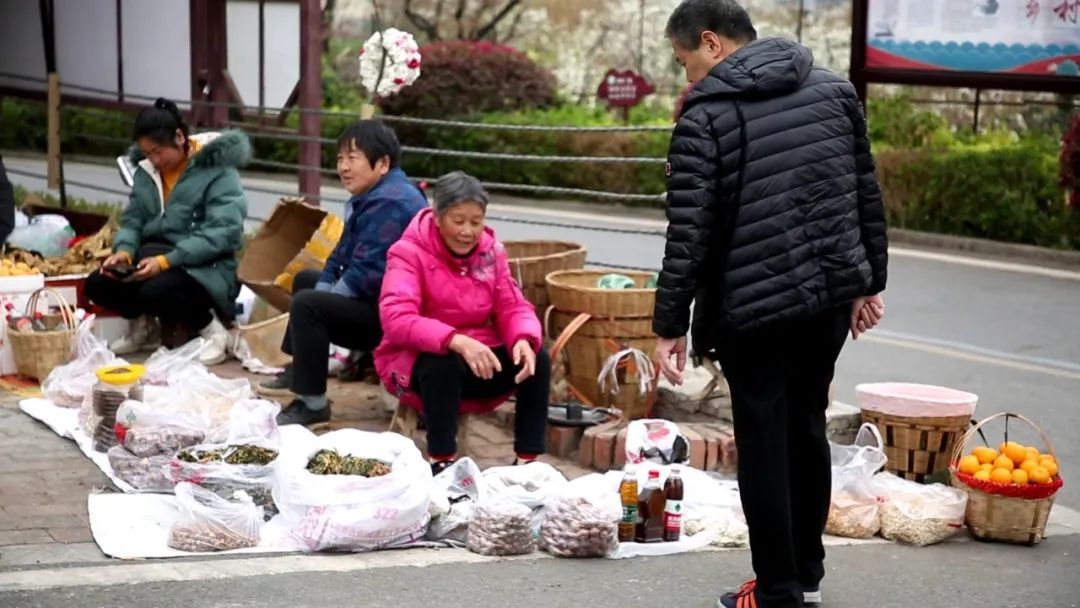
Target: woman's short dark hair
160, 122
692, 18
374, 139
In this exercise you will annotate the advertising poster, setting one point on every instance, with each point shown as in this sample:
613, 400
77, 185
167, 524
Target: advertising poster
1032, 37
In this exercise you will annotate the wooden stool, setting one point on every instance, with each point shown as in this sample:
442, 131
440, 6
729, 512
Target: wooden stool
717, 386
406, 420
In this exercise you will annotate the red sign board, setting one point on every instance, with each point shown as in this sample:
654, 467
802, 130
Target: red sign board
624, 89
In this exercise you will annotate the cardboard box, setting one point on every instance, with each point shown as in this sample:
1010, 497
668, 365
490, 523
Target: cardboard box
283, 236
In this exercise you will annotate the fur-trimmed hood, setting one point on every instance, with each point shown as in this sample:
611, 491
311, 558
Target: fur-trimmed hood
229, 148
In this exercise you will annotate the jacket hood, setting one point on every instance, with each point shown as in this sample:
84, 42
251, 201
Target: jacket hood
768, 67
229, 148
423, 233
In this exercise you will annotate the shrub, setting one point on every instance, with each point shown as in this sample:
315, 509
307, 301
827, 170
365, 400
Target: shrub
463, 78
896, 122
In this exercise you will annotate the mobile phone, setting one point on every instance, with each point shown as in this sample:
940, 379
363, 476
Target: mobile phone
123, 271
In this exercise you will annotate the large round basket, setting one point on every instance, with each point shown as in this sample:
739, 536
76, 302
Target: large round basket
532, 261
264, 339
576, 291
1005, 513
920, 424
37, 353
604, 328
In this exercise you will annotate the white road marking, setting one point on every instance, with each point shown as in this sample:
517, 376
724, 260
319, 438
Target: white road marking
972, 354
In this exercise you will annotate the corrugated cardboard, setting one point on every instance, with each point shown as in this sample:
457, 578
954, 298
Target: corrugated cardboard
275, 245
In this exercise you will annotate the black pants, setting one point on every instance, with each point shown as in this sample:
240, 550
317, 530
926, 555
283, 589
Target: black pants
442, 381
172, 296
314, 317
779, 378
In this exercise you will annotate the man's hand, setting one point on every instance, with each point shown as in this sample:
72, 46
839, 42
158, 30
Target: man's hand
525, 358
866, 313
668, 349
483, 363
148, 269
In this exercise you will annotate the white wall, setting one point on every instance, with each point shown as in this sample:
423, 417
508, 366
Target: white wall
21, 49
157, 48
86, 45
282, 49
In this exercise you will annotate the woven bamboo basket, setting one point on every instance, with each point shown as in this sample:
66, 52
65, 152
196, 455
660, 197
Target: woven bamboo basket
576, 291
264, 339
592, 326
37, 353
532, 261
918, 447
993, 514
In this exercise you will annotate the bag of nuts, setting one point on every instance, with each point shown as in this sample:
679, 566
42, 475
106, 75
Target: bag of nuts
575, 526
500, 527
918, 514
209, 522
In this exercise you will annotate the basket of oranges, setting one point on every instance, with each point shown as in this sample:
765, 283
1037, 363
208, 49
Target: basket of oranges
1010, 489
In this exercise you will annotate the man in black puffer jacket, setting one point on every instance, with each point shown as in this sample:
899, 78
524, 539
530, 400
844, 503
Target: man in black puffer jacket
777, 234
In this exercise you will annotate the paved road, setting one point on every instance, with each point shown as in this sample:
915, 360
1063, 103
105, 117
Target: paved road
1010, 335
885, 576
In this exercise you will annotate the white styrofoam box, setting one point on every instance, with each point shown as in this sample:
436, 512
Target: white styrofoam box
110, 329
15, 291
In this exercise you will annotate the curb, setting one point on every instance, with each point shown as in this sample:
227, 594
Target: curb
996, 249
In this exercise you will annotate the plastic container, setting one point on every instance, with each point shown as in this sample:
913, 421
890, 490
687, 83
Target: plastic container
915, 400
116, 384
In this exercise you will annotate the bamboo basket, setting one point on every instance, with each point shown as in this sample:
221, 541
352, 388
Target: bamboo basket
264, 338
37, 353
918, 447
594, 324
532, 261
992, 513
576, 291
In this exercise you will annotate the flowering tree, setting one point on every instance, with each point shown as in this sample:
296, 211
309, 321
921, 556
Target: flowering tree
389, 61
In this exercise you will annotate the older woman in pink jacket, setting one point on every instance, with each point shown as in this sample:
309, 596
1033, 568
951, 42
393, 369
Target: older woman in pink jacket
458, 335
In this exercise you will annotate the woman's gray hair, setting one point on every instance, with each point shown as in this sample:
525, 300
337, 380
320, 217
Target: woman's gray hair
456, 188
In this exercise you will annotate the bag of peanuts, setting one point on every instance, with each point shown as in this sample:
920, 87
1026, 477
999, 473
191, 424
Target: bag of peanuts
854, 509
581, 524
500, 527
918, 514
209, 522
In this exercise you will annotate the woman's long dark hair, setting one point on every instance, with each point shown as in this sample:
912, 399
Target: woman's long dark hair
160, 122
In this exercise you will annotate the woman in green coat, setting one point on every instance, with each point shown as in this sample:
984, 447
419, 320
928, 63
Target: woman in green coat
175, 253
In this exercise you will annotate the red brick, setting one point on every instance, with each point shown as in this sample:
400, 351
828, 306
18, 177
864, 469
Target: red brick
712, 446
729, 454
604, 450
588, 442
697, 447
620, 448
563, 440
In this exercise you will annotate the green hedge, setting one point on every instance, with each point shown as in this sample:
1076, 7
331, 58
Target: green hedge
994, 185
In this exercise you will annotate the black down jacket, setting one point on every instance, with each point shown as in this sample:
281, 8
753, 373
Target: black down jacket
773, 208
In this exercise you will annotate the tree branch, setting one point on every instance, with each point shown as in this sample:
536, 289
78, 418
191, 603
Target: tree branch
490, 27
459, 17
511, 32
431, 30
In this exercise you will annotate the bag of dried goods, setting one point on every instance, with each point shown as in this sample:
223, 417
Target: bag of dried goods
166, 362
69, 384
854, 510
209, 522
352, 490
227, 469
463, 486
150, 473
500, 527
578, 525
918, 514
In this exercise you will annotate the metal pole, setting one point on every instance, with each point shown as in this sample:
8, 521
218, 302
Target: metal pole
799, 24
262, 59
310, 95
975, 123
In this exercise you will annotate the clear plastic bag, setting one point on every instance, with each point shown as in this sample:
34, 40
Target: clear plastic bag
854, 509
165, 362
50, 235
581, 524
223, 478
918, 514
209, 522
150, 473
208, 398
353, 512
462, 484
69, 384
500, 527
146, 441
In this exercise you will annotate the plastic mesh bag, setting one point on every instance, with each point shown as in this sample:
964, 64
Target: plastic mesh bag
209, 522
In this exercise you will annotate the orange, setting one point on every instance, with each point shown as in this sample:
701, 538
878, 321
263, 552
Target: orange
1016, 452
1001, 475
1004, 462
1040, 475
982, 475
1033, 453
986, 467
1020, 477
969, 464
1050, 466
984, 454
1028, 464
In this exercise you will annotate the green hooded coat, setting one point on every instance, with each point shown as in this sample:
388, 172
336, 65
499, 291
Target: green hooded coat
203, 220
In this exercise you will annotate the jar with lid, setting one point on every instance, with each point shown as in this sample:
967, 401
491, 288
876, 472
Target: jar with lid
116, 384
